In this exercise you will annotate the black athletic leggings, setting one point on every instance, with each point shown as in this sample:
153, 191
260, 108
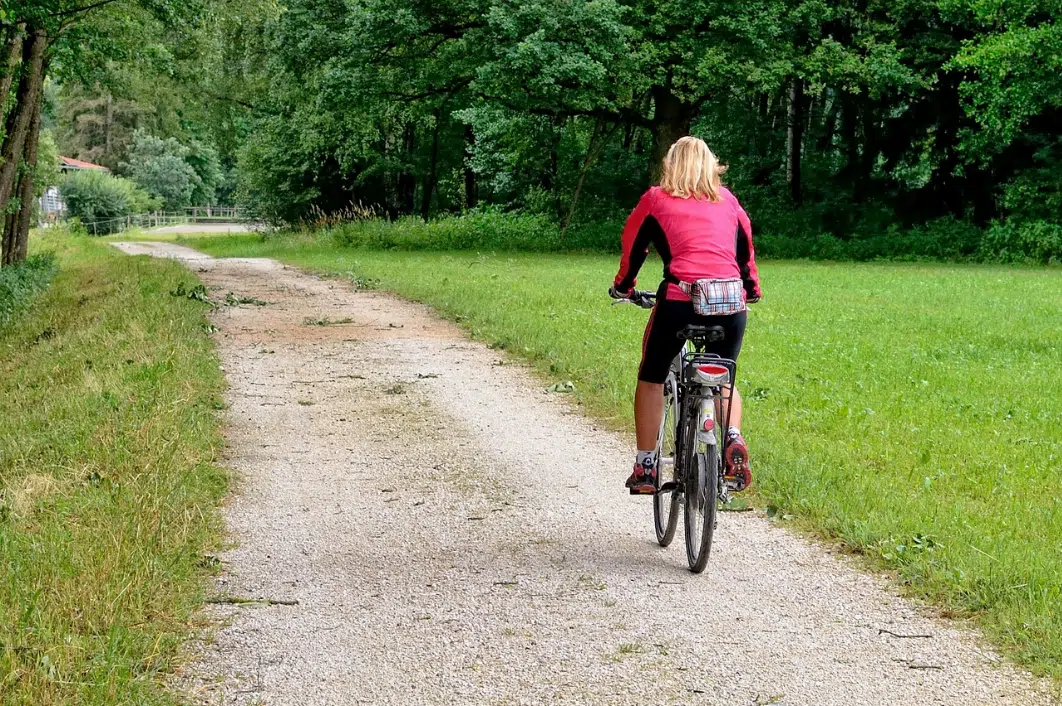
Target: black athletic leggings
661, 342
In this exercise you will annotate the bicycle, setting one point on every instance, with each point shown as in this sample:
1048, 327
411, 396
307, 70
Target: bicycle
690, 442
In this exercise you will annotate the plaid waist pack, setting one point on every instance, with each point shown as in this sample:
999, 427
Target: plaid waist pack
715, 297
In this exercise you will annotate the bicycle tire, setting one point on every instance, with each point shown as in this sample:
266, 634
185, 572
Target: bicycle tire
666, 505
702, 486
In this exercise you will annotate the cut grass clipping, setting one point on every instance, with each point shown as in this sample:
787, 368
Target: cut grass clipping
913, 412
108, 487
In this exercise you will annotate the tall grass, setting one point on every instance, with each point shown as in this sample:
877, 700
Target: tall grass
944, 240
910, 412
108, 486
20, 283
477, 230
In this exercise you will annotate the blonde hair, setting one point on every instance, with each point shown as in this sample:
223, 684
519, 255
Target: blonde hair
691, 170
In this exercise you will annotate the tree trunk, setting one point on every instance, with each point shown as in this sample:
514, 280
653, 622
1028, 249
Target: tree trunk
471, 197
433, 172
12, 52
19, 122
829, 124
7, 241
850, 137
795, 138
597, 143
108, 122
27, 189
407, 180
671, 120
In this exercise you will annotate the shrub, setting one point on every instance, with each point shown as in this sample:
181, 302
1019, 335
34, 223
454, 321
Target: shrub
20, 283
941, 239
478, 230
1020, 241
99, 201
482, 230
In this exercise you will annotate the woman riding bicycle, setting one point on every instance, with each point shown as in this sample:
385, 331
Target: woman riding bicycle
701, 232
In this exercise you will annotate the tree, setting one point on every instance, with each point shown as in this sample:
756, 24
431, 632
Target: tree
161, 169
78, 39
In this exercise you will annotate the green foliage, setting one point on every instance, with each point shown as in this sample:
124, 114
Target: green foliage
941, 239
904, 450
161, 169
21, 282
47, 171
490, 230
100, 200
910, 115
1024, 241
484, 230
93, 125
204, 160
905, 115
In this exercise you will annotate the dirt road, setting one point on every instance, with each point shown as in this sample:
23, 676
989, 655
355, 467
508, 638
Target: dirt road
453, 534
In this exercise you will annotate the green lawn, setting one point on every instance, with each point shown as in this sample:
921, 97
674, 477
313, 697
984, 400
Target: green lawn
108, 488
912, 412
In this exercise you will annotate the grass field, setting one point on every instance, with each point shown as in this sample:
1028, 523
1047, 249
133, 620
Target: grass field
912, 412
108, 490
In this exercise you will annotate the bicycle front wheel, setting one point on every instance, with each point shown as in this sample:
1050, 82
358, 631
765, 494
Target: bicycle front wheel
666, 502
702, 488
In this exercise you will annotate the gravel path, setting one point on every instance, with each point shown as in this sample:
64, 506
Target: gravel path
455, 535
191, 228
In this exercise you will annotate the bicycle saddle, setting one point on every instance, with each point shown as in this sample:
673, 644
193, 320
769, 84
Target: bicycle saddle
704, 334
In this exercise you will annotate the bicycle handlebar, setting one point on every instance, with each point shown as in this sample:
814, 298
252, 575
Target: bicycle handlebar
645, 300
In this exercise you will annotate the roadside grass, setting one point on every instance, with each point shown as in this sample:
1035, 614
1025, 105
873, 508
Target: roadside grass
20, 283
108, 486
912, 412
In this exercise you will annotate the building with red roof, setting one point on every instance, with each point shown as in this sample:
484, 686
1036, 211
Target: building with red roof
67, 164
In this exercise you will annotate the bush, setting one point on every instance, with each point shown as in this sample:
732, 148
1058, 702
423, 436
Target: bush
478, 230
20, 283
942, 239
1022, 241
486, 230
100, 201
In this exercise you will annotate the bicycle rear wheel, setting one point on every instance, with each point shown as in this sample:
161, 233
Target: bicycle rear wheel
702, 488
666, 503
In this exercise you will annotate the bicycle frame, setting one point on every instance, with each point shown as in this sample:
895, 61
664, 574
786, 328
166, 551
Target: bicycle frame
702, 403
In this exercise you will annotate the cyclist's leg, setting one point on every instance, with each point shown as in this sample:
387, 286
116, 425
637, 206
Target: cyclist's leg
735, 408
736, 453
659, 348
730, 347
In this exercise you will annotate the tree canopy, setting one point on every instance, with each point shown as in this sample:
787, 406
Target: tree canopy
841, 117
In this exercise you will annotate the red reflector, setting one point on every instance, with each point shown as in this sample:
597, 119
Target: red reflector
712, 369
709, 424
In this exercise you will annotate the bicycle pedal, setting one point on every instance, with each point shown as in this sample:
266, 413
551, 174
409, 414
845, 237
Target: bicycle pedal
734, 483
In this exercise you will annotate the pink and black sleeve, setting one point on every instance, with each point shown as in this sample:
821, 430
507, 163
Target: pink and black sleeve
746, 255
640, 231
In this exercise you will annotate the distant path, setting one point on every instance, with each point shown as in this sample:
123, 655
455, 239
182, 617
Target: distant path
455, 535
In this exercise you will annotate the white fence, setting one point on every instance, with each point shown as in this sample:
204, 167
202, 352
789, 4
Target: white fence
158, 219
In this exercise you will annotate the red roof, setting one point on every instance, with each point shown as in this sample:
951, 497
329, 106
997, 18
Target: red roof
78, 164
